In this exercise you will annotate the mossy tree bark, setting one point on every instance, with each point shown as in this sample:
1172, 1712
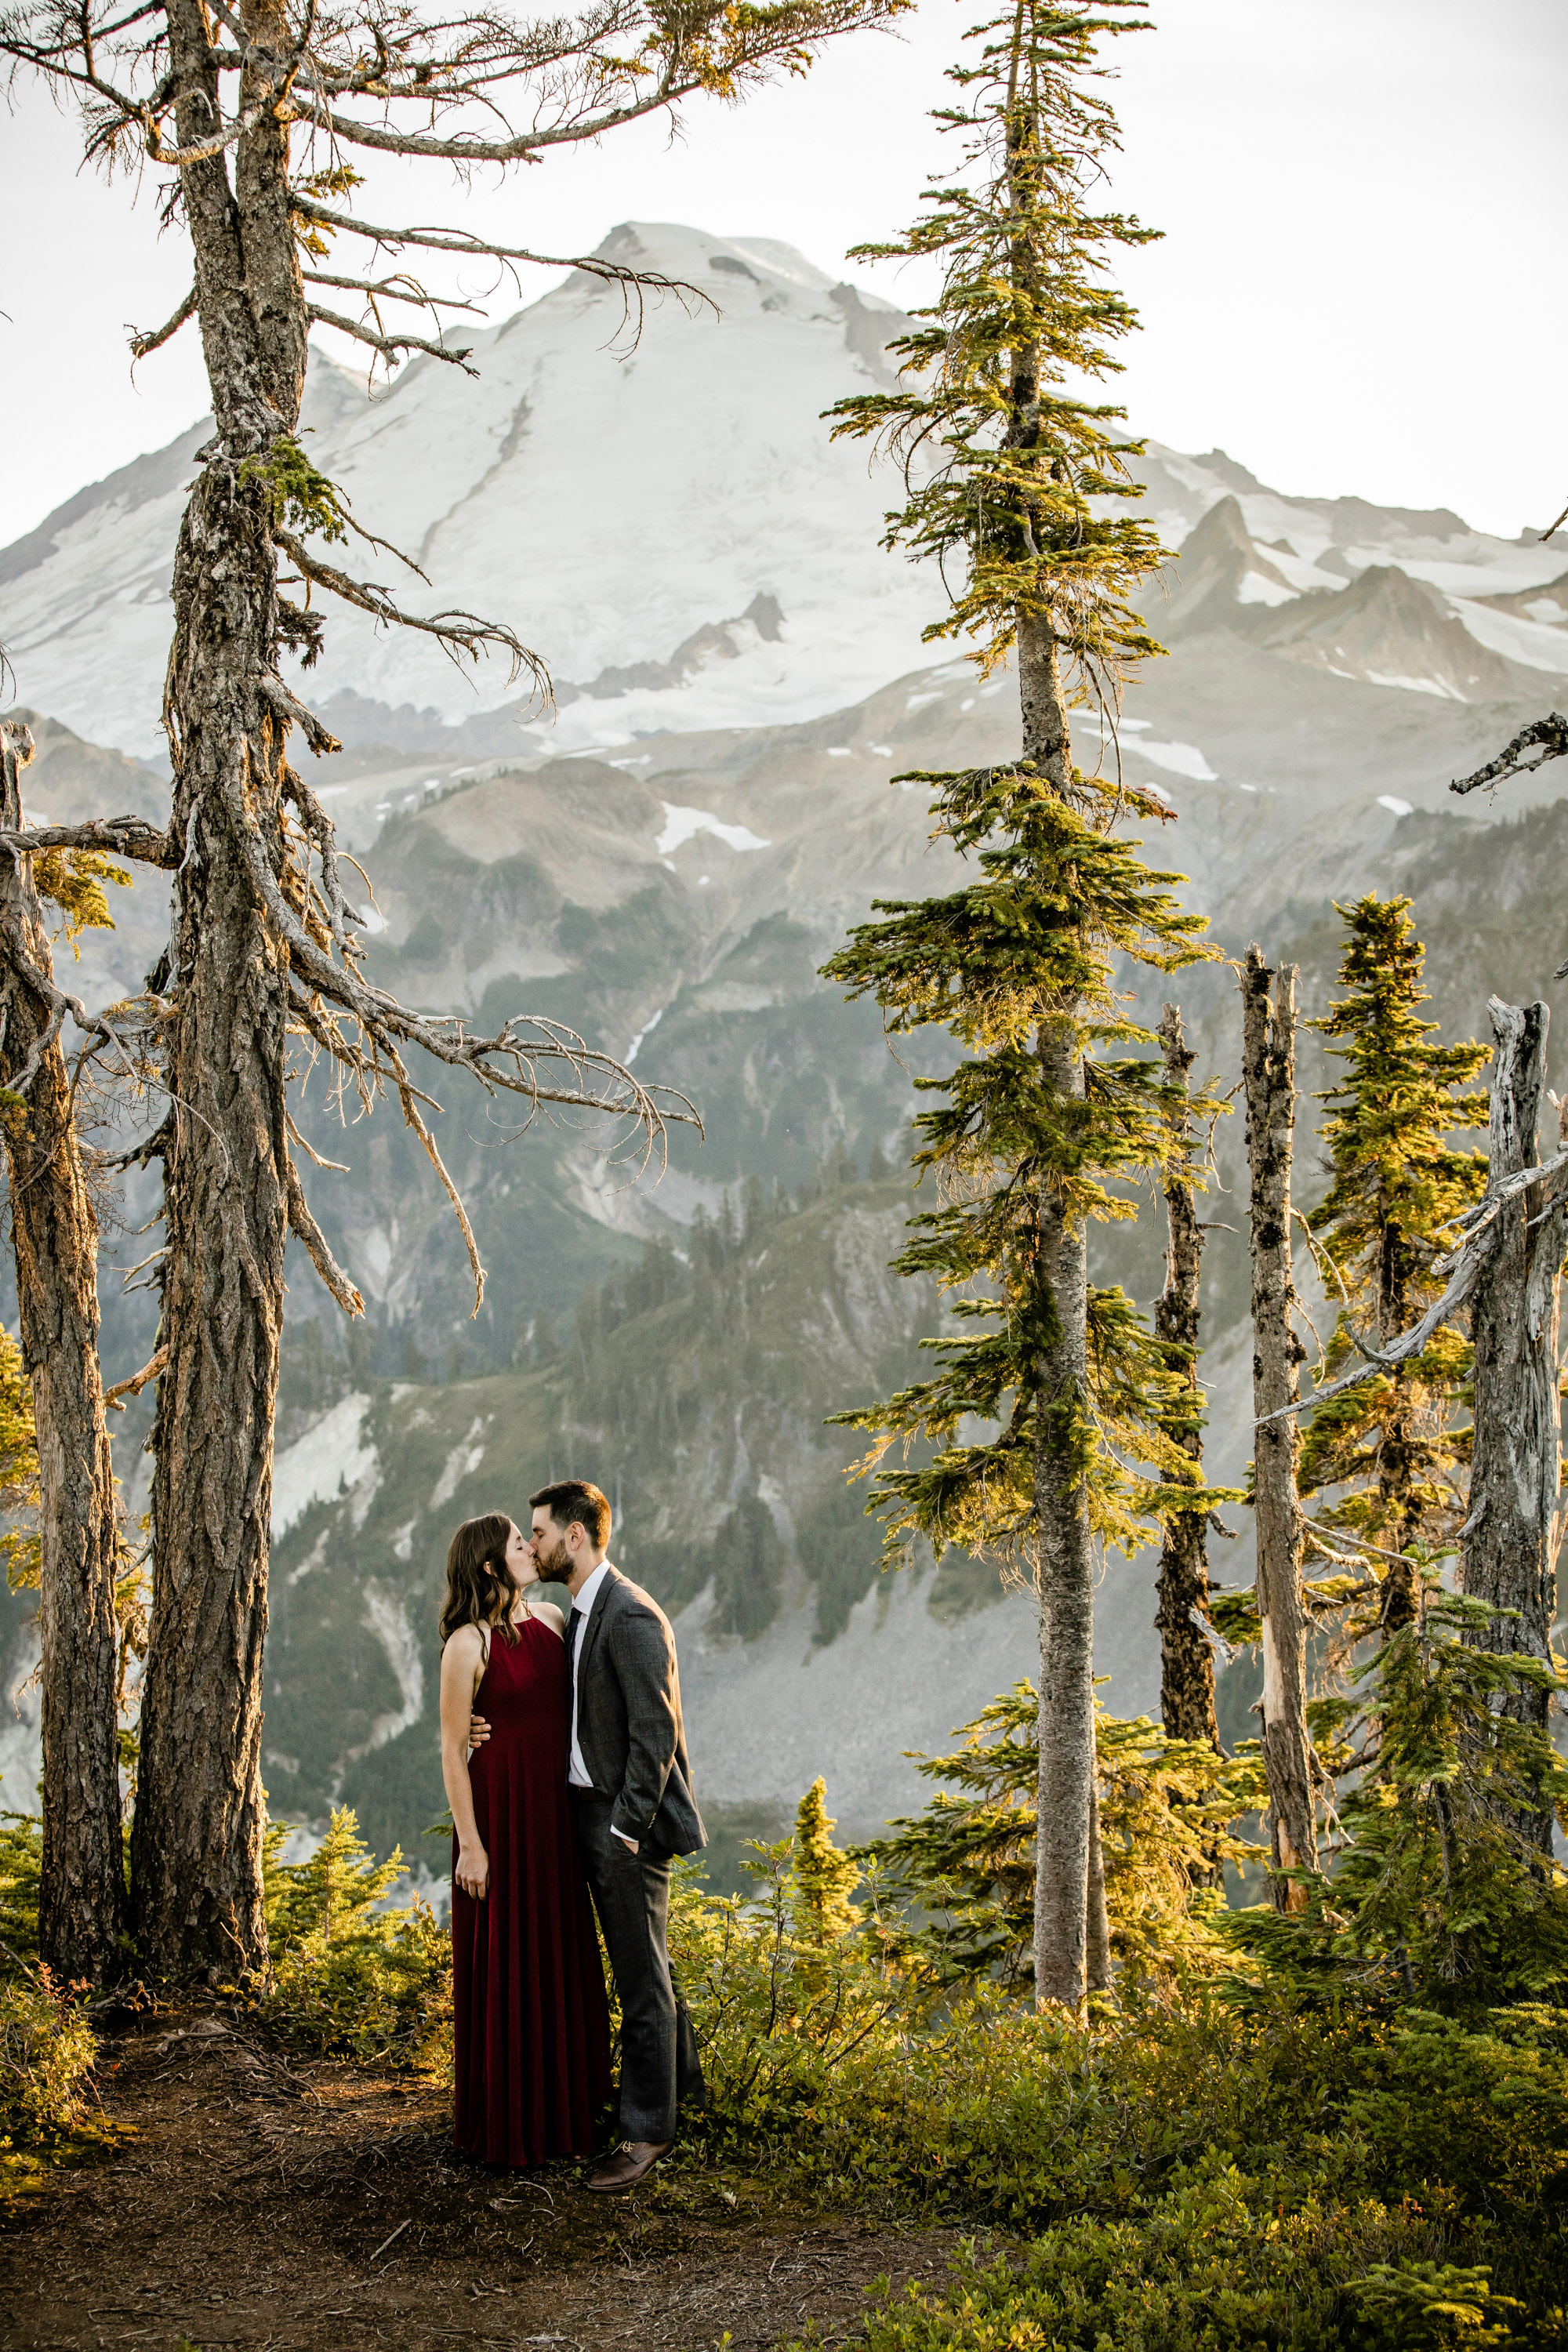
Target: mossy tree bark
201, 1810
1268, 1063
82, 1894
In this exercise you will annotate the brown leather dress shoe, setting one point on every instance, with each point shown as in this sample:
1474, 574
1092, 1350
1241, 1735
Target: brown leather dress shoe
629, 2165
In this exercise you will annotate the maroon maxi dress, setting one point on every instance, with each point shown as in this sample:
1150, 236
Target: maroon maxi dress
532, 2029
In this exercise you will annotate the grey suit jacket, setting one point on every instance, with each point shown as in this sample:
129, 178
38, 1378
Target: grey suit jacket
628, 1718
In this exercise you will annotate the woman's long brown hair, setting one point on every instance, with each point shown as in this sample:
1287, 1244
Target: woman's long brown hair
479, 1590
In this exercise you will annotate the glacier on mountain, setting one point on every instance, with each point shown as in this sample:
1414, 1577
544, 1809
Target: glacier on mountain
611, 493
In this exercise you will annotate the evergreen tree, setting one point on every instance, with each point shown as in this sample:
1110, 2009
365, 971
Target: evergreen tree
1045, 1114
822, 1877
1398, 1183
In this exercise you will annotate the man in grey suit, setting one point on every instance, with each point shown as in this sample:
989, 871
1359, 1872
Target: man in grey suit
630, 1783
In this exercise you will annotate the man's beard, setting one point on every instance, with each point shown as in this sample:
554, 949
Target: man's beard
556, 1562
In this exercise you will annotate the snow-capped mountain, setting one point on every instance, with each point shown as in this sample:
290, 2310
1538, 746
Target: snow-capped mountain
664, 519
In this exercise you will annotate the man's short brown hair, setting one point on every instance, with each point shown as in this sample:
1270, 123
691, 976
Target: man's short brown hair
572, 1502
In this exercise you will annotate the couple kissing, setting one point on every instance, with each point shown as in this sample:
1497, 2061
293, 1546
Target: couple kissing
565, 1761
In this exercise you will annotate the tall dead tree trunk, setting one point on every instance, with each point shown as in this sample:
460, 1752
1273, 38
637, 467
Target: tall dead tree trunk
1061, 1494
82, 1894
1269, 1065
200, 1812
1187, 1653
1511, 1536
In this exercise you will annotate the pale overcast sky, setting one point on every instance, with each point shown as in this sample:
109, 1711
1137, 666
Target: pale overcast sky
1359, 291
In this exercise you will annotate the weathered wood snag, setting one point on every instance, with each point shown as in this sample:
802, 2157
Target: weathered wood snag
1268, 1065
1186, 1652
55, 1236
1510, 1538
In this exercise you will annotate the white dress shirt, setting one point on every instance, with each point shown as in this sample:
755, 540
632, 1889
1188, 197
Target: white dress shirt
582, 1605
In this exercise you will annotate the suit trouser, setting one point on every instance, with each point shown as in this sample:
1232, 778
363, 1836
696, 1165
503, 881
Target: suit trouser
659, 2065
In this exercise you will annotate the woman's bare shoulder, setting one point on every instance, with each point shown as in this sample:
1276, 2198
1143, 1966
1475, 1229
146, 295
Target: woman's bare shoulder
465, 1647
549, 1614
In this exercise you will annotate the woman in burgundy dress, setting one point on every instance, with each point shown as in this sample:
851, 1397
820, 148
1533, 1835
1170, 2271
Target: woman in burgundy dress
532, 2029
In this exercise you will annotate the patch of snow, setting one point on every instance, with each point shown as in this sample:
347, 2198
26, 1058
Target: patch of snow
683, 825
386, 1616
883, 750
1179, 759
1256, 589
647, 1028
1414, 685
21, 1722
919, 702
461, 1462
839, 751
1391, 801
317, 1467
1530, 641
403, 1541
313, 1560
1547, 609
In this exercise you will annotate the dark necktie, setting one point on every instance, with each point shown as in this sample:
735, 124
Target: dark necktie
578, 1621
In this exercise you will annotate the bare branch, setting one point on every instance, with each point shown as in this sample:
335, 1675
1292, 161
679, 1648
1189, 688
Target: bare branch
1468, 1260
508, 1061
456, 632
477, 248
142, 344
305, 1229
389, 345
114, 1398
398, 288
1550, 733
320, 738
124, 836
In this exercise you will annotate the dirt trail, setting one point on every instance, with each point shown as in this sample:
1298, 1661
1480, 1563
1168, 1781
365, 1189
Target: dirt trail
264, 2202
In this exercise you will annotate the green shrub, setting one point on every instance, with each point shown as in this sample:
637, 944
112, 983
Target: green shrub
1440, 1896
21, 1866
1207, 2165
350, 1974
964, 1867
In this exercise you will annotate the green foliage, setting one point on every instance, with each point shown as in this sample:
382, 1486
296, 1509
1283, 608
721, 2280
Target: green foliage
350, 1973
1194, 2170
822, 1878
1396, 1186
1021, 465
19, 1471
301, 497
1437, 1897
967, 1861
73, 880
1214, 2265
1031, 944
47, 2053
46, 2047
21, 1868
